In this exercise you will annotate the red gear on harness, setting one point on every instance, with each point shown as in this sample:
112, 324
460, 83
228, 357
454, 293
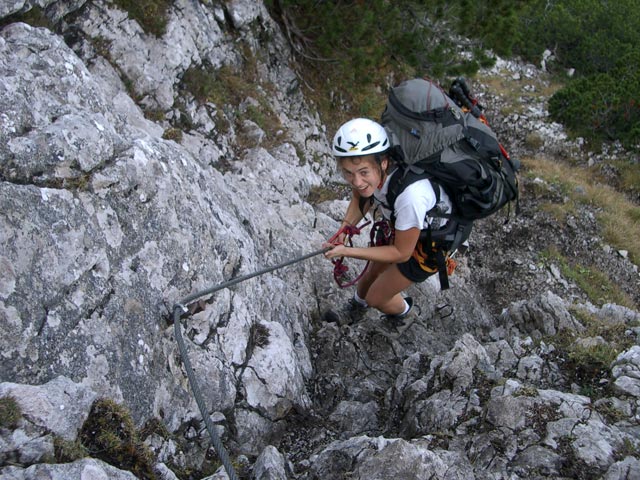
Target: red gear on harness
381, 234
339, 268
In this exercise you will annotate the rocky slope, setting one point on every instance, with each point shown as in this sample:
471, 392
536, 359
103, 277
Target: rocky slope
124, 189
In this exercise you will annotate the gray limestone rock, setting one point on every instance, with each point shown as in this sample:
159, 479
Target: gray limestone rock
87, 468
106, 222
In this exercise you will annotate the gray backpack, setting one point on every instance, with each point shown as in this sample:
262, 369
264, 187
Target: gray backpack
437, 137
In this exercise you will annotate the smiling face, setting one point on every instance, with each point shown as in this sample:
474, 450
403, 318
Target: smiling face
364, 174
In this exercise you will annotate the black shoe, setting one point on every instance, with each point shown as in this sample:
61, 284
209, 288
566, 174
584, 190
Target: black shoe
349, 313
396, 325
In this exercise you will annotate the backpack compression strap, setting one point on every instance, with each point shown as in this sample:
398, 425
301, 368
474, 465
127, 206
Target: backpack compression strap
444, 115
441, 261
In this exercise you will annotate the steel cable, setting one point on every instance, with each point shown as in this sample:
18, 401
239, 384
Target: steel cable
180, 308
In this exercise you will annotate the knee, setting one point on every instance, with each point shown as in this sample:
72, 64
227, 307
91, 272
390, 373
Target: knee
374, 301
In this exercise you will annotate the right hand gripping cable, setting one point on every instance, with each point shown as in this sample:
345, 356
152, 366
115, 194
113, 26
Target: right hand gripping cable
340, 269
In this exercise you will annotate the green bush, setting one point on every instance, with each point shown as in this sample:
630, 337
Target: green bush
356, 44
600, 40
600, 107
494, 22
588, 35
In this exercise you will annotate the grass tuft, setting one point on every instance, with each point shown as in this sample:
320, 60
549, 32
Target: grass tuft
588, 364
598, 287
68, 451
173, 133
319, 194
10, 412
618, 217
151, 15
110, 435
228, 88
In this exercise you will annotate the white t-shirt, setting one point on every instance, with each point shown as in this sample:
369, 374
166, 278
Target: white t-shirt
412, 205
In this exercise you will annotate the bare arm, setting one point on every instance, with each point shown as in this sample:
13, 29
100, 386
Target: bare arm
401, 250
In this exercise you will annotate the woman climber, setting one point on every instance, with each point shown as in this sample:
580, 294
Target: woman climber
362, 151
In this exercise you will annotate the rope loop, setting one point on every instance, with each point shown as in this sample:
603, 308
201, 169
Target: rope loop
381, 234
340, 269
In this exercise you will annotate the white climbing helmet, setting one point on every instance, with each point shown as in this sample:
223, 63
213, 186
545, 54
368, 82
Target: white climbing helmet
358, 137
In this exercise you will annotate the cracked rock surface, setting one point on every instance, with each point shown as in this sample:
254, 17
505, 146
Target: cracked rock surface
106, 223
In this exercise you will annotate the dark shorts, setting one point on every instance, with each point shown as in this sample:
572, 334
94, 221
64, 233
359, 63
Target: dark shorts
421, 265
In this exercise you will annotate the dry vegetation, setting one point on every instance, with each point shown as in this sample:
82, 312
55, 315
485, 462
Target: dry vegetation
618, 216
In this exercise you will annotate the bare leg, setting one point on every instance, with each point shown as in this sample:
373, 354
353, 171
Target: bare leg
384, 291
370, 276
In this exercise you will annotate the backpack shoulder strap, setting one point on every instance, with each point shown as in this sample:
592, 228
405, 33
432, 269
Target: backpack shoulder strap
363, 203
404, 176
407, 175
